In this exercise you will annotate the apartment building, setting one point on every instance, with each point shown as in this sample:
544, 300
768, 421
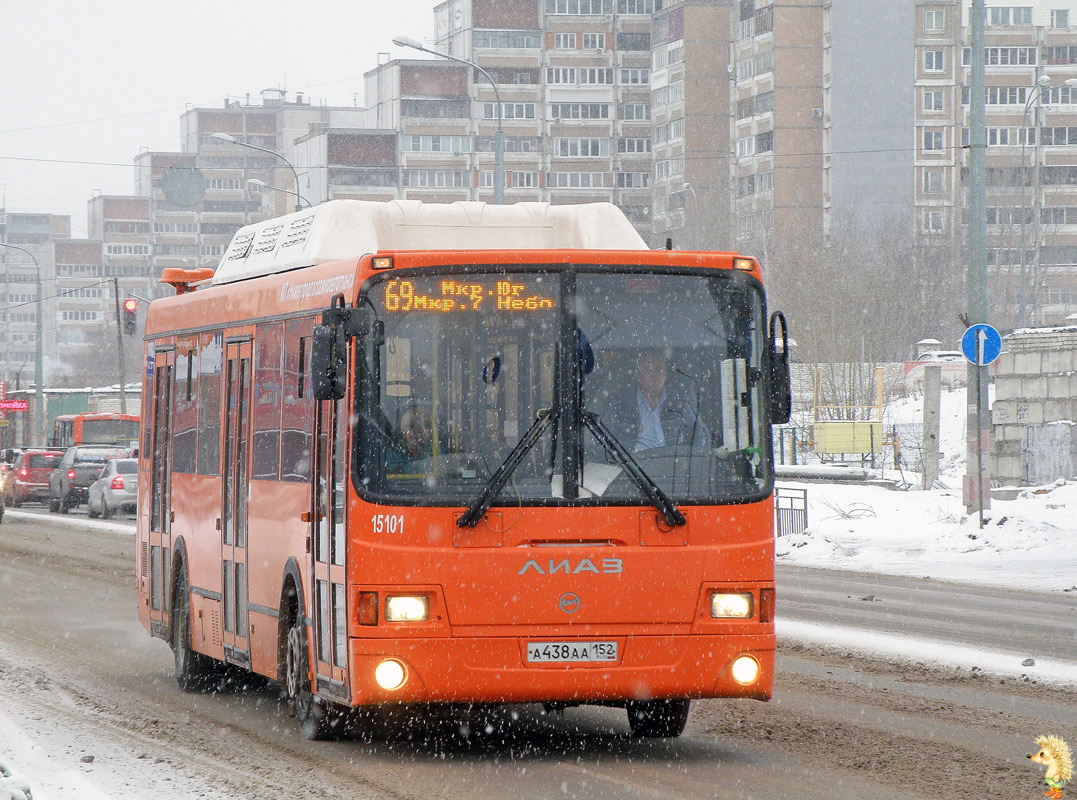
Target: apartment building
690, 108
571, 79
19, 290
1031, 77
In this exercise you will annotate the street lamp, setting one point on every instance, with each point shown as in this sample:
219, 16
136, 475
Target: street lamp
499, 142
263, 185
224, 137
1042, 83
695, 216
39, 357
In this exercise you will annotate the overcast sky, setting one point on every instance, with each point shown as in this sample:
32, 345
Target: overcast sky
99, 82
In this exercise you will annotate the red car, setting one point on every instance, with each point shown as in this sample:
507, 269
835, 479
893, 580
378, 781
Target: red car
29, 479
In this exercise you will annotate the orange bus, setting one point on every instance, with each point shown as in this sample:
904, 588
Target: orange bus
414, 453
94, 428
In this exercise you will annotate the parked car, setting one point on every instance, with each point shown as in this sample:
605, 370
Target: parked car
8, 457
942, 357
80, 466
117, 488
29, 478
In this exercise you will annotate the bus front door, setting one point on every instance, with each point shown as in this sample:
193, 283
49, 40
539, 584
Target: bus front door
329, 613
237, 392
159, 438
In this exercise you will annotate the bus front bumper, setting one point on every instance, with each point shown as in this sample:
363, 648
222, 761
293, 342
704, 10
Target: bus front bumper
496, 670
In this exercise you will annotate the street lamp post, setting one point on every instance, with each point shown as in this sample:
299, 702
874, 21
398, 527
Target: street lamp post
499, 142
39, 356
225, 137
1037, 91
298, 197
695, 216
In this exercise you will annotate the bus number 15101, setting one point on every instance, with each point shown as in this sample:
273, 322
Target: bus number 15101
387, 523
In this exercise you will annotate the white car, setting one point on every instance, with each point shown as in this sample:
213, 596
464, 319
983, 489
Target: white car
942, 357
117, 488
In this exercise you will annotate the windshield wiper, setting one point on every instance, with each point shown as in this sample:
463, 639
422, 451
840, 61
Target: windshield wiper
658, 498
481, 504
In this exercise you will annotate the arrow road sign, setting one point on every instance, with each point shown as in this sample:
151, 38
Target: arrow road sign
981, 344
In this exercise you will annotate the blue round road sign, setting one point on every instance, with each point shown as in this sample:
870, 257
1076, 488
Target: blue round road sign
981, 344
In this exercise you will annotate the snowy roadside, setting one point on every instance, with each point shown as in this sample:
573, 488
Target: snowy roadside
70, 521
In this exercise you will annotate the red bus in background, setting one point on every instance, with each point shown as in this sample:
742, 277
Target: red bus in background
95, 428
412, 474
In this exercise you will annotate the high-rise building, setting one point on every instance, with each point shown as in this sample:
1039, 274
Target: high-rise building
1031, 84
572, 78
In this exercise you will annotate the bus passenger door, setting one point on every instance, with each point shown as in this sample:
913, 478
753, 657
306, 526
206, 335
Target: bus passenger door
328, 536
160, 511
237, 392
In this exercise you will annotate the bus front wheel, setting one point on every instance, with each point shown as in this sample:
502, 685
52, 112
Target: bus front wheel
654, 719
317, 719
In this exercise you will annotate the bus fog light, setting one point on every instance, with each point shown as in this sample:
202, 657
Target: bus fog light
390, 674
407, 608
745, 670
731, 606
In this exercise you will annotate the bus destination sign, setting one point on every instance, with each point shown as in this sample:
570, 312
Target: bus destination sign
450, 295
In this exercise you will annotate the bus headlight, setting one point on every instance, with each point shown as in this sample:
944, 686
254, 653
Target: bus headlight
407, 608
390, 674
745, 670
731, 606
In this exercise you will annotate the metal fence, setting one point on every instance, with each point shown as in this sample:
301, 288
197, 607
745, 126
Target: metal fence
790, 510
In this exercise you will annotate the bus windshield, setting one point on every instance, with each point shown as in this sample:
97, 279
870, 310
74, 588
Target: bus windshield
617, 379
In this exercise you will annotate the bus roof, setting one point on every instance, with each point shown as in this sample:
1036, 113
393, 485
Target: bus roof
342, 229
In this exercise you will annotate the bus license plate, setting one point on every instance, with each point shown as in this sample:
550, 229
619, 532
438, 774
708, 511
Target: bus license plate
546, 652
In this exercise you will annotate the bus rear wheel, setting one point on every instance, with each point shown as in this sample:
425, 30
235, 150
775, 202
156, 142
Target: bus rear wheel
655, 719
194, 671
317, 719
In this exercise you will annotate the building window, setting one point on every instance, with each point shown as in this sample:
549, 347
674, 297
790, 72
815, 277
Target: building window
1060, 54
745, 146
635, 6
596, 75
586, 148
575, 180
579, 6
1010, 15
1010, 56
1060, 18
676, 129
934, 60
523, 180
513, 40
564, 41
633, 180
1007, 95
575, 110
635, 75
509, 110
764, 182
433, 178
414, 143
1061, 96
1058, 135
561, 75
933, 100
764, 142
633, 145
933, 181
932, 141
594, 41
746, 185
932, 221
934, 20
635, 112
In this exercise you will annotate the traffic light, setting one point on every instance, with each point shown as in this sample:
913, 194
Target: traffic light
130, 315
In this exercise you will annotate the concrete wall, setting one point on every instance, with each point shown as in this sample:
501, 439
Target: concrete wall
1034, 413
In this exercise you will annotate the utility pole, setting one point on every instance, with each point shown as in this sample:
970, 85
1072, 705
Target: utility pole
119, 345
978, 415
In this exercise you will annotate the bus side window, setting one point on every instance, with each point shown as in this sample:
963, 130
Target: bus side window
210, 358
297, 408
265, 459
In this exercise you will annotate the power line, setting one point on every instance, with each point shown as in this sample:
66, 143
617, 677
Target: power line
58, 294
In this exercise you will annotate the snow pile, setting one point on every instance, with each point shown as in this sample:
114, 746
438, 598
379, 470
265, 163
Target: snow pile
12, 785
1026, 543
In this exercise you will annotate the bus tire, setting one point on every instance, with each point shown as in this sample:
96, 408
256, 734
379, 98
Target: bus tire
317, 719
655, 719
194, 672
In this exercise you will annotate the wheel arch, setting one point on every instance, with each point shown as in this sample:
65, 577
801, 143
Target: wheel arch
291, 591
